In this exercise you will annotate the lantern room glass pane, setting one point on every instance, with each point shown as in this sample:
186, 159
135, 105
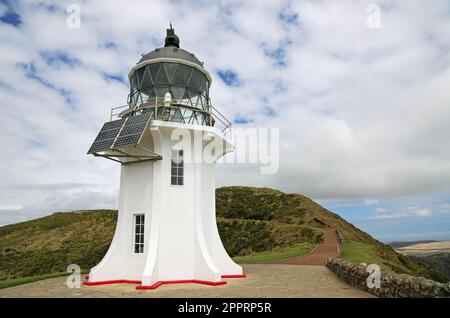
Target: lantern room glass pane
178, 117
194, 82
147, 80
177, 93
140, 74
134, 86
144, 96
162, 77
187, 86
171, 69
154, 70
182, 75
161, 91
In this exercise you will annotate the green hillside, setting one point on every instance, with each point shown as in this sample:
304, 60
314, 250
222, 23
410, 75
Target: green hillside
440, 262
254, 223
295, 209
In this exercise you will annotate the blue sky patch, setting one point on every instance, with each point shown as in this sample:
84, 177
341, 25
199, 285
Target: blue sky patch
229, 77
278, 54
226, 12
288, 17
57, 58
32, 73
49, 7
269, 111
36, 143
110, 45
12, 18
240, 120
280, 86
114, 77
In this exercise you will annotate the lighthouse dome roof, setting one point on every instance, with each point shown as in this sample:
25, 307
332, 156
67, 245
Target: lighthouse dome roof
172, 52
174, 75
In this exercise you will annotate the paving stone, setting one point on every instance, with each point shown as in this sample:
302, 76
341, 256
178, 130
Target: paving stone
262, 281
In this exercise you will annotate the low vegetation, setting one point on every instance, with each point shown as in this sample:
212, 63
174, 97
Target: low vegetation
244, 237
49, 244
276, 254
255, 224
440, 262
294, 209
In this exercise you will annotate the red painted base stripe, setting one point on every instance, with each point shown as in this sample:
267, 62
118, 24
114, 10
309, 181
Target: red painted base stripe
187, 281
235, 276
159, 283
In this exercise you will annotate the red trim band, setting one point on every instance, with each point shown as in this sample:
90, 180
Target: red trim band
187, 281
234, 276
159, 283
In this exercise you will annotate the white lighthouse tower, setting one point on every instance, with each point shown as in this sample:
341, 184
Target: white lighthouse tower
166, 227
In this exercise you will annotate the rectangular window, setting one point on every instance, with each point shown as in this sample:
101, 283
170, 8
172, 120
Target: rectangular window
177, 168
139, 233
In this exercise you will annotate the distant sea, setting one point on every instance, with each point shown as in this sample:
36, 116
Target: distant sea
432, 236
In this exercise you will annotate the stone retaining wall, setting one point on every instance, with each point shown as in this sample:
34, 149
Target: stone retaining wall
391, 284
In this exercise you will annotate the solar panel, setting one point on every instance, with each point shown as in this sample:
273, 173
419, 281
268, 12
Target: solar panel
106, 136
127, 140
101, 146
138, 119
132, 130
113, 124
119, 133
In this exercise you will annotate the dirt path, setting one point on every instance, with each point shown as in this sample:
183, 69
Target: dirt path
262, 281
318, 256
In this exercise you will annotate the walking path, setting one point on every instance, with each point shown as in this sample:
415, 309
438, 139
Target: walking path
318, 256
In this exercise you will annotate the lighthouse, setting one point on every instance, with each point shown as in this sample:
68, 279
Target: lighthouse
166, 228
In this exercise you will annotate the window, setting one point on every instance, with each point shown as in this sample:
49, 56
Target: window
187, 84
139, 233
177, 168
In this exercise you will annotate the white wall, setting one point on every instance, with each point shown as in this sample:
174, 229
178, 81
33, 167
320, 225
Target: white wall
181, 237
121, 262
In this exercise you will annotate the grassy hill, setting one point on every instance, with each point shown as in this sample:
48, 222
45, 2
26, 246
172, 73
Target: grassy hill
254, 224
440, 262
275, 206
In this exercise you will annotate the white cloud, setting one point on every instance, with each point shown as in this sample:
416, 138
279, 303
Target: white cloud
423, 212
409, 212
363, 114
369, 202
380, 210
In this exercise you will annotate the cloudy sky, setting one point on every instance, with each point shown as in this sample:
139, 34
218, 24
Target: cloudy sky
363, 109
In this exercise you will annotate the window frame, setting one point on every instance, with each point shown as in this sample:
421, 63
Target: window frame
138, 245
178, 167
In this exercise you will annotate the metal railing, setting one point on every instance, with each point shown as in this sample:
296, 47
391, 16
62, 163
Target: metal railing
116, 111
225, 124
162, 111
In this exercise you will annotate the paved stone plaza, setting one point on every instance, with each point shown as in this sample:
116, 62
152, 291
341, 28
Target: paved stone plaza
266, 281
